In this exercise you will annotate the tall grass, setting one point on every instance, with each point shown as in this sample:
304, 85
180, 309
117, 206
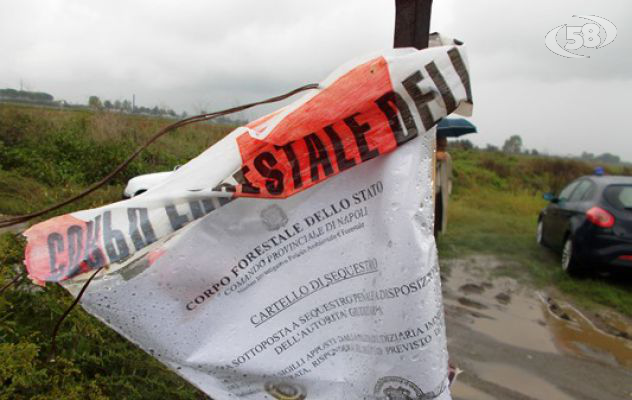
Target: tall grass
45, 154
534, 174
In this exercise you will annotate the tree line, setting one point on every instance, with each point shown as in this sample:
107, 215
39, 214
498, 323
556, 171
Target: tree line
514, 145
95, 102
23, 95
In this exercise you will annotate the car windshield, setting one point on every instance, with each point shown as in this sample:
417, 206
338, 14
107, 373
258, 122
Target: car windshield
619, 196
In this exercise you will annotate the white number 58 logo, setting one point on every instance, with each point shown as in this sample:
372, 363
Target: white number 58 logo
587, 35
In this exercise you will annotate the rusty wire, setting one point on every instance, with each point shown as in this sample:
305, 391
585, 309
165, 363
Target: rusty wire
15, 281
53, 340
191, 120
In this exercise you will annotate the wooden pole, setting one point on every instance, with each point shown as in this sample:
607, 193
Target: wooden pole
412, 23
412, 29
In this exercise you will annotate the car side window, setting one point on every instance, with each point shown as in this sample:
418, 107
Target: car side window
590, 193
580, 191
566, 192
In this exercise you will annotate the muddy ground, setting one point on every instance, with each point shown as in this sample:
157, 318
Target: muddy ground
511, 341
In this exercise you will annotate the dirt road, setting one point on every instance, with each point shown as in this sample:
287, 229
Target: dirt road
513, 342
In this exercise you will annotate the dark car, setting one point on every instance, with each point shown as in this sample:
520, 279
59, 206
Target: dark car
590, 222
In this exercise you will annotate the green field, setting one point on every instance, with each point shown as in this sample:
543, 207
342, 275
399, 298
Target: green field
47, 155
494, 210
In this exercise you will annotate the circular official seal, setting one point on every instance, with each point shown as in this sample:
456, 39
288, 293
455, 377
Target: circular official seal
285, 391
273, 217
396, 388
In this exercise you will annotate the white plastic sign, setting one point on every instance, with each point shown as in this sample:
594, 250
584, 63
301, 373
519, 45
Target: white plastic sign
251, 281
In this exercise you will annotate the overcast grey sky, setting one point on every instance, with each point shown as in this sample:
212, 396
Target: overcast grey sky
192, 55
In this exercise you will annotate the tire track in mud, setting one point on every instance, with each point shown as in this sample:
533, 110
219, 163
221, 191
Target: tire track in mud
513, 342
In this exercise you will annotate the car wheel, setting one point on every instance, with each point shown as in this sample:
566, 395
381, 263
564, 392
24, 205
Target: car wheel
570, 265
539, 233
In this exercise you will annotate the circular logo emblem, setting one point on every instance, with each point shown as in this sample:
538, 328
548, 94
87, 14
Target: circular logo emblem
396, 388
273, 217
285, 391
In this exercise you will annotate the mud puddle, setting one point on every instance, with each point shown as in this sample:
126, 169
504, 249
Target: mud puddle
576, 333
500, 308
514, 314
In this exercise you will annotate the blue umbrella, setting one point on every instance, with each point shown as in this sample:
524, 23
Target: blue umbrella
454, 127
